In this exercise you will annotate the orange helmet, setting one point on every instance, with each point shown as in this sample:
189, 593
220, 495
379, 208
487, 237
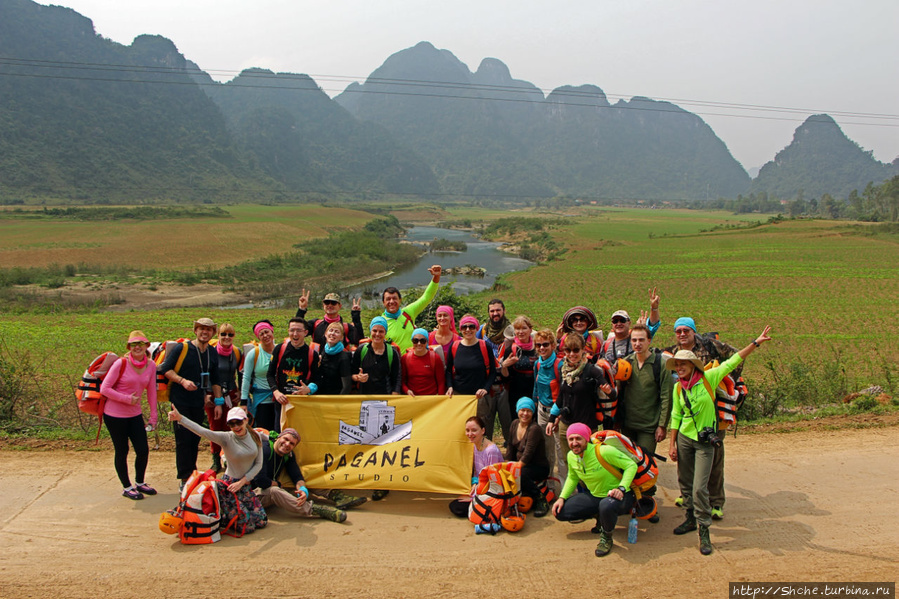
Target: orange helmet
169, 523
625, 370
645, 508
525, 504
512, 523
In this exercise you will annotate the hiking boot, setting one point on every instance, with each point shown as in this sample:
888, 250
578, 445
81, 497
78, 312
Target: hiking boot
679, 502
717, 513
326, 512
379, 495
705, 543
217, 463
687, 525
605, 544
541, 506
654, 519
342, 501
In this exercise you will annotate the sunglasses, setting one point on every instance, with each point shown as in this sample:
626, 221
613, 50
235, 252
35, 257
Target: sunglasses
682, 331
226, 334
137, 344
468, 327
547, 344
419, 341
235, 423
619, 320
330, 303
578, 319
574, 351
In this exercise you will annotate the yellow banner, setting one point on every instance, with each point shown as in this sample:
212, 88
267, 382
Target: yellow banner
391, 442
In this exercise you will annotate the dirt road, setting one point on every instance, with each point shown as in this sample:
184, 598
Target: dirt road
807, 506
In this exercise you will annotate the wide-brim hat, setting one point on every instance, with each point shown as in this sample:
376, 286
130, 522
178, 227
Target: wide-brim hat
205, 322
684, 354
581, 311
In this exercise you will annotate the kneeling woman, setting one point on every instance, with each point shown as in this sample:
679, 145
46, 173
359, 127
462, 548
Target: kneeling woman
693, 427
526, 446
486, 453
243, 451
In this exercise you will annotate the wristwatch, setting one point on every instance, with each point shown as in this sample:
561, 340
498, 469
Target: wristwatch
622, 489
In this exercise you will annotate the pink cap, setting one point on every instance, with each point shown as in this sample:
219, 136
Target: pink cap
578, 428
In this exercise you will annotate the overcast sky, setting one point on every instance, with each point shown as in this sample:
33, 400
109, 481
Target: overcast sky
816, 56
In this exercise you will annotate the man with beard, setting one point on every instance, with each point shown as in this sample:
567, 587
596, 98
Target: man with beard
496, 402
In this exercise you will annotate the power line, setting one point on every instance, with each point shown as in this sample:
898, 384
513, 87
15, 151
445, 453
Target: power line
440, 85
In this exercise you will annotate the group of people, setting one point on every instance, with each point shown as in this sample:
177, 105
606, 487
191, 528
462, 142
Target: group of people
549, 389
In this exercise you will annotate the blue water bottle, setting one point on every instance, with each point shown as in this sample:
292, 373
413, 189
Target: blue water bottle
632, 530
491, 528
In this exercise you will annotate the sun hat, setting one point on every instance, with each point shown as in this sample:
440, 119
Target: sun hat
526, 403
137, 336
578, 428
685, 321
580, 311
684, 354
204, 322
236, 414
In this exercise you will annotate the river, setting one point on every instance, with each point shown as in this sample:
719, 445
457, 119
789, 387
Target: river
481, 253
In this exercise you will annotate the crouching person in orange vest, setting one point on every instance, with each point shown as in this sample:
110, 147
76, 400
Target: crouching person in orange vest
608, 496
278, 458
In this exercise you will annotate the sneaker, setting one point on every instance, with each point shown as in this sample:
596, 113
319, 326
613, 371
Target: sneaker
541, 506
326, 512
679, 502
145, 489
132, 494
605, 544
717, 513
705, 543
687, 525
654, 519
342, 501
379, 495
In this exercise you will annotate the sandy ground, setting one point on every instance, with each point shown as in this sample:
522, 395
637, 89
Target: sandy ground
803, 506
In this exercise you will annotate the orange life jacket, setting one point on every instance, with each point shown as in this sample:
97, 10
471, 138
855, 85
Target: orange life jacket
90, 400
199, 510
498, 490
647, 471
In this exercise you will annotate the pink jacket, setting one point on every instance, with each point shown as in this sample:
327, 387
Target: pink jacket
118, 390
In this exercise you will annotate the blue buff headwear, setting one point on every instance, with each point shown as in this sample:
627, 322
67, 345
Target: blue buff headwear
378, 320
421, 332
526, 403
685, 321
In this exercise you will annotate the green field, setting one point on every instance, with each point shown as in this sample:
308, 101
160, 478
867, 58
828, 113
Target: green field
828, 292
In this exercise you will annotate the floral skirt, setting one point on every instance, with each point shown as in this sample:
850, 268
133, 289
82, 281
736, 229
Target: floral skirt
242, 510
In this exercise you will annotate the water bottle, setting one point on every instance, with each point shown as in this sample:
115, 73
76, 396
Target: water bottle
632, 530
491, 528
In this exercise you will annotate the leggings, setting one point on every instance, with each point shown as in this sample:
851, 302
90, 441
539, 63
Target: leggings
121, 430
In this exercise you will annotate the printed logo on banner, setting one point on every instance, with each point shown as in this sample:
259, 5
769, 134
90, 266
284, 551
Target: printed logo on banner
376, 426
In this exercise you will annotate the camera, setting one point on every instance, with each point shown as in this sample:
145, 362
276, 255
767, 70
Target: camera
709, 436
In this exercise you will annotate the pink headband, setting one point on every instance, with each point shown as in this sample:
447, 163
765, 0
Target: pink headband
578, 428
262, 326
452, 315
468, 320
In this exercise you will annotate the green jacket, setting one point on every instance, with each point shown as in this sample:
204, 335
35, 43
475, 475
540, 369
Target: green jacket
597, 479
399, 330
646, 402
704, 411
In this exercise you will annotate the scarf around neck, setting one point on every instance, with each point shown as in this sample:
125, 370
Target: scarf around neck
224, 352
571, 374
334, 349
491, 331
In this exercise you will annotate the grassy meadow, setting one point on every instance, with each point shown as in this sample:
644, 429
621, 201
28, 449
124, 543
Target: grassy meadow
827, 290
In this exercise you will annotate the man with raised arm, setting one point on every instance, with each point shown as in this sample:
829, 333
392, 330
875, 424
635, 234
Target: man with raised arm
401, 319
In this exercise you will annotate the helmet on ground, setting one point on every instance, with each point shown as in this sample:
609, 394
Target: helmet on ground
645, 508
169, 523
512, 523
625, 370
